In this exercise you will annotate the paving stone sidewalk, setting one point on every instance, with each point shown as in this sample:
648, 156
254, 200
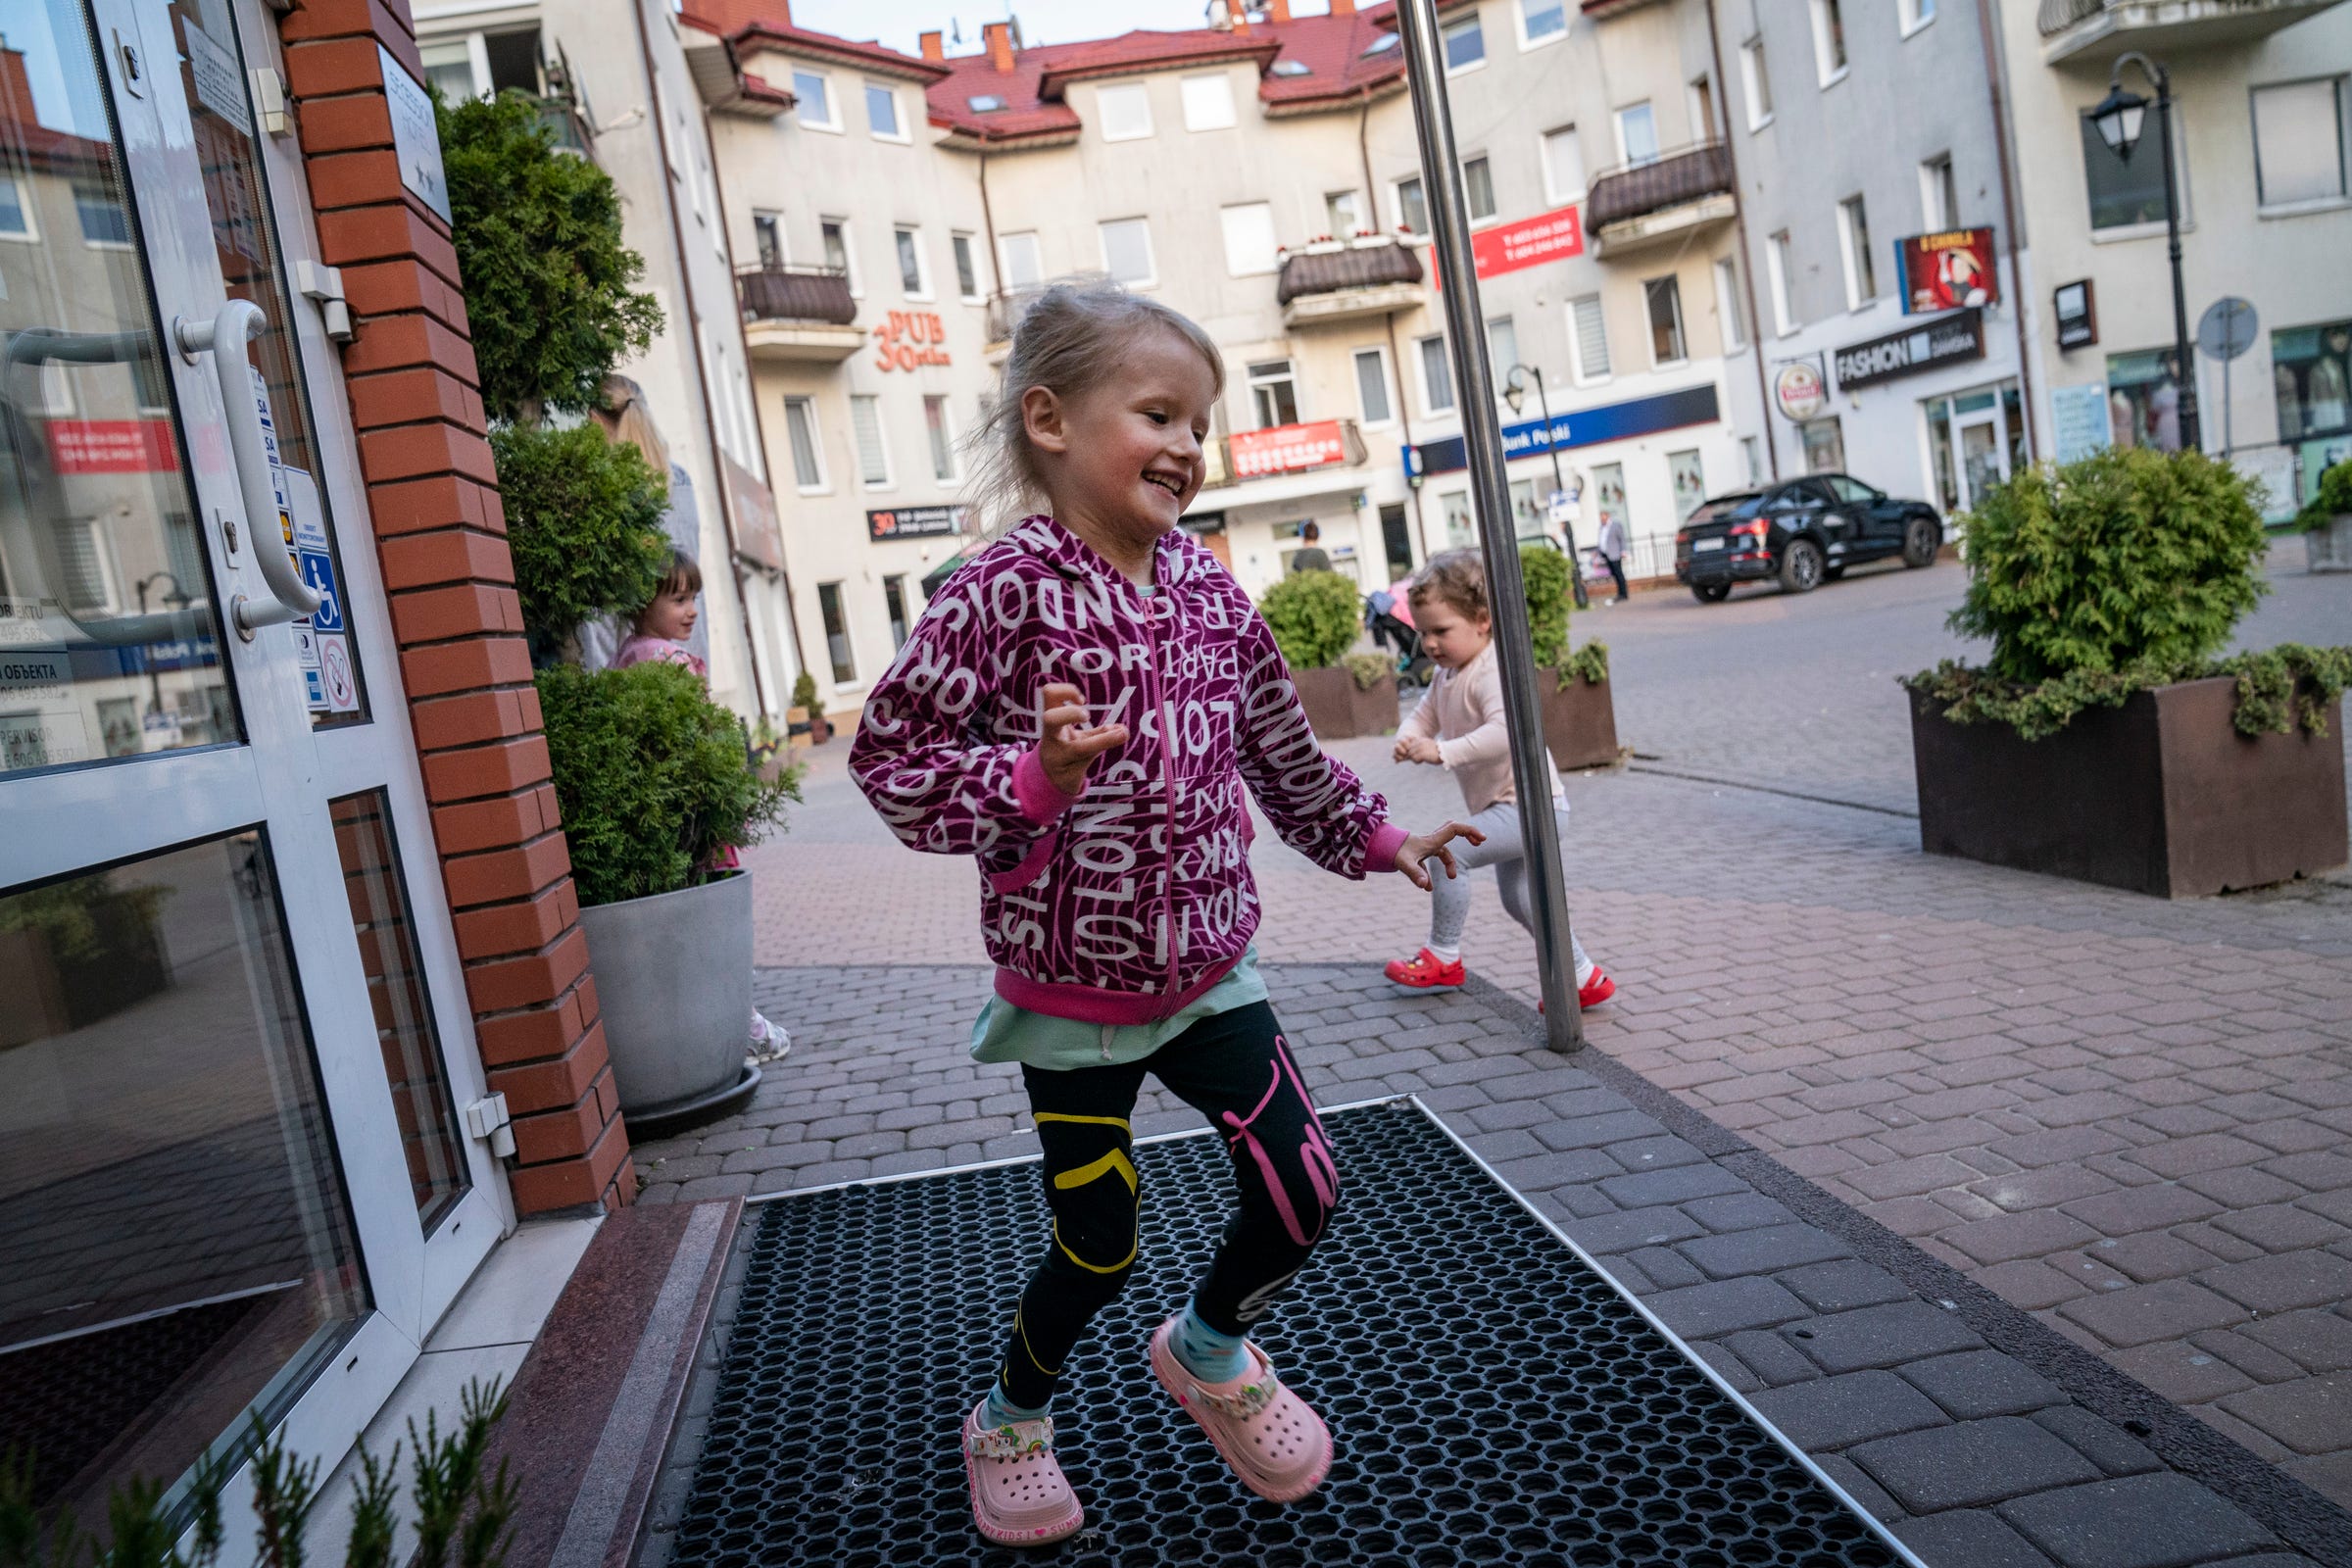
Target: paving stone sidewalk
1980, 1437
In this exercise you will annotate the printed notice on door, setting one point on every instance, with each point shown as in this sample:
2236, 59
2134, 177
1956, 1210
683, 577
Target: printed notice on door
414, 137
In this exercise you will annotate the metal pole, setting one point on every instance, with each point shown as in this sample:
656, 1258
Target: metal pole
1559, 486
2192, 437
1506, 594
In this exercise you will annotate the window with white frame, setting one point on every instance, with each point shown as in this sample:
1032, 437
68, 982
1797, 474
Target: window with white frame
834, 233
1023, 262
1541, 22
1751, 452
1663, 297
815, 91
1342, 213
2129, 193
1727, 305
1249, 238
1372, 403
1478, 188
16, 209
87, 580
1466, 45
1829, 41
1753, 78
1698, 99
1915, 15
1127, 250
1637, 135
2299, 141
768, 238
873, 455
915, 276
1502, 348
1125, 111
105, 221
942, 437
1853, 245
837, 633
1411, 204
1938, 193
1589, 336
1563, 165
1274, 394
1436, 374
1208, 101
1776, 273
799, 429
882, 111
967, 267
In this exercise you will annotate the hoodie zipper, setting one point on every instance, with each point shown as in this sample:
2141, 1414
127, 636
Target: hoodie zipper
1167, 779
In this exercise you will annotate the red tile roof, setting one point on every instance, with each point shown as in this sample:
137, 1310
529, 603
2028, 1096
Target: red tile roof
750, 25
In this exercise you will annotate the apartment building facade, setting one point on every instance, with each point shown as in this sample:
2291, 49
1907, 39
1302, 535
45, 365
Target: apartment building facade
1261, 176
615, 80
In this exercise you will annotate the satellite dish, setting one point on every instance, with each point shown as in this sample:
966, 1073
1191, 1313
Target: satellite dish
2226, 328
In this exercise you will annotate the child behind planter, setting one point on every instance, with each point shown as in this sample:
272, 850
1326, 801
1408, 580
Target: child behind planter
1459, 727
659, 632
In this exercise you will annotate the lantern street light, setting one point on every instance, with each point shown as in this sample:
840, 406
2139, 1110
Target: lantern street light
2119, 118
1515, 392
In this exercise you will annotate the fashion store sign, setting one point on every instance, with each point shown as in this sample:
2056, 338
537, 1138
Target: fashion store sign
910, 338
1287, 449
1958, 336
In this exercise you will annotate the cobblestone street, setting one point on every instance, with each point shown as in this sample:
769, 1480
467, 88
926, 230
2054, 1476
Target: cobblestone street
2126, 1117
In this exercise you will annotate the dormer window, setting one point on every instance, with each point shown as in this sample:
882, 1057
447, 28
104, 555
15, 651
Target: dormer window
1382, 44
986, 102
1293, 68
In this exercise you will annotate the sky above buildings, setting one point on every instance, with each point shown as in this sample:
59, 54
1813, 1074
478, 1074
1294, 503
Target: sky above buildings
898, 23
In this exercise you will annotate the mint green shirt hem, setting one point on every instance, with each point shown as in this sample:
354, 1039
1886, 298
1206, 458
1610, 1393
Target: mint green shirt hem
1005, 1033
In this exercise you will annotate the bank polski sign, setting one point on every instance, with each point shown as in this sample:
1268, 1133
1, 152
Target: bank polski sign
1580, 427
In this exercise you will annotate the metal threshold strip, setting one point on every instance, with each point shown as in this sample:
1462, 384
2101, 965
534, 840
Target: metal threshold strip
1494, 1396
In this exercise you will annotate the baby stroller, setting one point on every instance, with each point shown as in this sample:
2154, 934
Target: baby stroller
1389, 618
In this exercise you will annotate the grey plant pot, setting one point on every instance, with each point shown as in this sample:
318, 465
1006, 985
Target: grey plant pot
2329, 549
673, 980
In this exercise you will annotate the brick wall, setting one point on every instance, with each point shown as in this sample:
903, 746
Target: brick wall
440, 535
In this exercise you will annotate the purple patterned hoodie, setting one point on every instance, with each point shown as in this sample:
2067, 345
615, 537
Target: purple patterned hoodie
1124, 904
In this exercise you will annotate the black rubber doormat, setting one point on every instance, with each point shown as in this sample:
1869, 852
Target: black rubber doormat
1492, 1398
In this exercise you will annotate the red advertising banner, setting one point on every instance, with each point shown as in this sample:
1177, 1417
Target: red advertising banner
1948, 272
1529, 242
112, 445
1287, 449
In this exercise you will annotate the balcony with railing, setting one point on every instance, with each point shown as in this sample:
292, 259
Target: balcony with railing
2098, 31
1337, 280
798, 312
1664, 198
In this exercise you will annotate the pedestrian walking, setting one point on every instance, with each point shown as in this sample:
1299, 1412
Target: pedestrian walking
658, 633
1080, 709
1612, 552
1310, 555
1459, 726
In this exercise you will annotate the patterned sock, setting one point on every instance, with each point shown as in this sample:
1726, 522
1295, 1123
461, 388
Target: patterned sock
1208, 1355
999, 1412
1446, 955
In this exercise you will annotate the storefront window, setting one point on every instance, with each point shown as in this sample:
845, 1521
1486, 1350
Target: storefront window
2313, 368
1461, 531
1939, 449
1689, 483
2144, 399
1825, 446
1608, 496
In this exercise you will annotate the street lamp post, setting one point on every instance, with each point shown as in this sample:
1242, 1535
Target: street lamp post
1416, 23
2119, 118
177, 599
1515, 392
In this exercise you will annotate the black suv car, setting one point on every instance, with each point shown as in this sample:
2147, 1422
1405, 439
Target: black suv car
1802, 532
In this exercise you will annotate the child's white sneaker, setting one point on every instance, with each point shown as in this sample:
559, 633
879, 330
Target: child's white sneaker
770, 1042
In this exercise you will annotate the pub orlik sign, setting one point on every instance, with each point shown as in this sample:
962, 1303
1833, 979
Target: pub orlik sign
914, 522
1957, 336
908, 339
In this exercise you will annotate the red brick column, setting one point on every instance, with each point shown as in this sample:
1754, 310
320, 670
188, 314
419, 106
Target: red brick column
441, 538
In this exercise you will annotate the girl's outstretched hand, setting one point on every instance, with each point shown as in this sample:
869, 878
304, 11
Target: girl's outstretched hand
1066, 743
1421, 848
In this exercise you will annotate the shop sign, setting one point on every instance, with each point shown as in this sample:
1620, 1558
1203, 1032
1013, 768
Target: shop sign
416, 133
2079, 421
2077, 315
1799, 392
1946, 272
1958, 336
757, 538
1510, 247
910, 338
1287, 449
112, 445
914, 522
1617, 422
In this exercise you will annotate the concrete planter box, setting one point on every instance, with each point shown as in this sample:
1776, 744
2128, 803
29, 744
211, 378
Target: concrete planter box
674, 978
2161, 796
1580, 721
1340, 710
2329, 549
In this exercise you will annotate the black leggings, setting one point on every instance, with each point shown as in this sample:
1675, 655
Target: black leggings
1235, 1070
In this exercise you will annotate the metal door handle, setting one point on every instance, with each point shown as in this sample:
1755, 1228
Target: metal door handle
226, 336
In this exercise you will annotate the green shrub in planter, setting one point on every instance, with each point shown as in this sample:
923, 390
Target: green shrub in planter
653, 776
804, 692
2333, 499
1549, 581
2118, 573
1315, 616
1368, 668
584, 523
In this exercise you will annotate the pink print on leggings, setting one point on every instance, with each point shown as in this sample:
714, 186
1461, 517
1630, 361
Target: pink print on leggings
1314, 1153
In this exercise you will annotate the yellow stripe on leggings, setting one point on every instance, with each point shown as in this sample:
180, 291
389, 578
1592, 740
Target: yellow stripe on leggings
1116, 1160
1091, 1268
1120, 1122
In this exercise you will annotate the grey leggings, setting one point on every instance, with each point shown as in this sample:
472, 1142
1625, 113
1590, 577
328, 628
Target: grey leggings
1450, 903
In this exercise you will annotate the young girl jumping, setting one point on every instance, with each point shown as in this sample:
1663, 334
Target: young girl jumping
1080, 709
1459, 727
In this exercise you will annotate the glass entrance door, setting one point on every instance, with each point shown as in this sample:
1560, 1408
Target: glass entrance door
1976, 439
232, 1177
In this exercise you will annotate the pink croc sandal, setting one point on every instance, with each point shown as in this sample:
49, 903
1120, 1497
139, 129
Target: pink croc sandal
1279, 1447
1019, 1496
